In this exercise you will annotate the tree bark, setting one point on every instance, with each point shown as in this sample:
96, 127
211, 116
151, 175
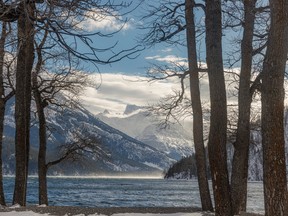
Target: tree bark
42, 168
2, 107
272, 100
200, 154
218, 119
23, 100
241, 147
40, 107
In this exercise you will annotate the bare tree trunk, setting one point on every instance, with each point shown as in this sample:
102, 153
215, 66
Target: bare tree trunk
197, 109
274, 164
218, 119
23, 100
241, 154
2, 114
2, 107
40, 106
42, 168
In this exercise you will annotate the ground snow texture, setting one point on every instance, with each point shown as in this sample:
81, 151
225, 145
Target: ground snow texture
30, 213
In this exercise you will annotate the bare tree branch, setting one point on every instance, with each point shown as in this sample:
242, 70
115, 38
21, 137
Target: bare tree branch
83, 143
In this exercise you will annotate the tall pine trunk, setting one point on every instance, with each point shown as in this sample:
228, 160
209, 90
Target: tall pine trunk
24, 67
197, 109
218, 119
241, 154
272, 100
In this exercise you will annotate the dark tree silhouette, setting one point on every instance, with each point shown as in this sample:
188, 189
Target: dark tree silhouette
200, 153
218, 119
25, 61
240, 158
48, 89
272, 100
6, 92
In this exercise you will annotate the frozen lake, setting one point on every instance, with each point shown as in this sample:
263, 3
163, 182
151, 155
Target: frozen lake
112, 192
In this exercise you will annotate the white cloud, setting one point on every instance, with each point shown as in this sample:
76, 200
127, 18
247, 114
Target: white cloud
117, 90
169, 59
166, 50
97, 21
156, 57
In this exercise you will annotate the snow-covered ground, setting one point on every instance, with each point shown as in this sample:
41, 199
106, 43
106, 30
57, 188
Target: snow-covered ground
30, 213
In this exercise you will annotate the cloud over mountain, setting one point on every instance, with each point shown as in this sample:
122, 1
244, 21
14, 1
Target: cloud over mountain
117, 90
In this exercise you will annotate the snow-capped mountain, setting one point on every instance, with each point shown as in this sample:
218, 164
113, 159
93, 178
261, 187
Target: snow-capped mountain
138, 123
255, 170
124, 153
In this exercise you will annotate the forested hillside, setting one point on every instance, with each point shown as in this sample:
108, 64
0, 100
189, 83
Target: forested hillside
183, 169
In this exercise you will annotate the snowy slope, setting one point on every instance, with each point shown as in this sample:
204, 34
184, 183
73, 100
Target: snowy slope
124, 153
138, 123
255, 171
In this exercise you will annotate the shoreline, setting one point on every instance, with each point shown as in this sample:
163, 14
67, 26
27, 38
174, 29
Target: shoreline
75, 210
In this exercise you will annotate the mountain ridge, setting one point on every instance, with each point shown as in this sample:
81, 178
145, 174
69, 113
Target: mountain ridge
140, 124
126, 154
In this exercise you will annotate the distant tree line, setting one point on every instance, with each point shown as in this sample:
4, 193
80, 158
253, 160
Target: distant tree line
183, 169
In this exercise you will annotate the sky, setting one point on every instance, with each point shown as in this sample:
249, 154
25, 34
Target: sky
124, 82
127, 38
130, 36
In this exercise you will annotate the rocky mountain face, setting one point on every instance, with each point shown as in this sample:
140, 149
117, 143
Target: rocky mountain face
133, 141
124, 154
138, 123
